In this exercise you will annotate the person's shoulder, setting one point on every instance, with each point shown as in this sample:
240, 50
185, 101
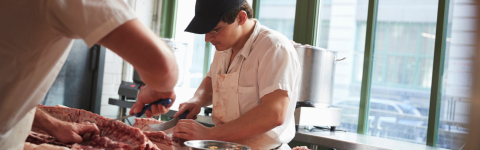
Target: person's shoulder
270, 34
272, 40
267, 35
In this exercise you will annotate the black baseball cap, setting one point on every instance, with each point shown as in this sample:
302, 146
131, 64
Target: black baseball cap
208, 13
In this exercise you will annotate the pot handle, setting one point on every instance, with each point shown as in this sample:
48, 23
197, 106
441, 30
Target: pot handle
340, 59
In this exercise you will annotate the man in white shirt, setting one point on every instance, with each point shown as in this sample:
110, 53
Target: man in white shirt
252, 82
35, 39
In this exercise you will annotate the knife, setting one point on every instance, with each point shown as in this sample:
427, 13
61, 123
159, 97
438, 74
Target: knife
164, 102
169, 124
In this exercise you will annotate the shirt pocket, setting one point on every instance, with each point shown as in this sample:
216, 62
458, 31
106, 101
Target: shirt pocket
247, 98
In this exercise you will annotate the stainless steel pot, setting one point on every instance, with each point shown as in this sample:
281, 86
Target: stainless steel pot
214, 145
318, 70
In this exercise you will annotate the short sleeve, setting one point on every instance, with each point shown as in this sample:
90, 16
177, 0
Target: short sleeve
278, 69
89, 20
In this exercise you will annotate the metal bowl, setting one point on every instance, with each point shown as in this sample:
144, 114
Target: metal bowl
214, 145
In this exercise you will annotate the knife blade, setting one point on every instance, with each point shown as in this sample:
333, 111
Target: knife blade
164, 102
169, 124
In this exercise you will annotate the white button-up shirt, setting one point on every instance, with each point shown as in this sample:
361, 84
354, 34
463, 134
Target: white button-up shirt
271, 63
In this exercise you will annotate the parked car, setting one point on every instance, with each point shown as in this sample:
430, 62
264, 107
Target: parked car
387, 118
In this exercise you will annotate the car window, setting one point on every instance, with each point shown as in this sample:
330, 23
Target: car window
376, 106
407, 109
349, 103
383, 107
391, 108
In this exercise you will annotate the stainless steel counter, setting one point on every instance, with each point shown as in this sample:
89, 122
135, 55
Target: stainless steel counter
349, 141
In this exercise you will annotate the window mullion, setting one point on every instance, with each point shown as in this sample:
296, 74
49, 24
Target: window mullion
256, 8
306, 21
169, 16
367, 67
206, 58
437, 75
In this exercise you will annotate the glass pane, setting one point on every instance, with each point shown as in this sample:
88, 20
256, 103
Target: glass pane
189, 59
402, 69
250, 2
278, 15
341, 28
457, 81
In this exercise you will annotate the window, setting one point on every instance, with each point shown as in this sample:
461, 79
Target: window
402, 67
190, 57
324, 23
403, 54
337, 30
278, 15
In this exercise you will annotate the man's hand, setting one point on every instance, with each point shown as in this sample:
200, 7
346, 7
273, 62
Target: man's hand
191, 130
193, 107
63, 131
68, 132
148, 95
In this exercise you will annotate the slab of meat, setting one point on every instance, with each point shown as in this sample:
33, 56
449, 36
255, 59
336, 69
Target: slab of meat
144, 123
37, 141
39, 138
113, 134
163, 139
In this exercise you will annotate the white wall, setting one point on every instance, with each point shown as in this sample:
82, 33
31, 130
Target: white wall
458, 80
111, 81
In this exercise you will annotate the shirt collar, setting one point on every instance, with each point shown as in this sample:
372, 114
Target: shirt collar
247, 48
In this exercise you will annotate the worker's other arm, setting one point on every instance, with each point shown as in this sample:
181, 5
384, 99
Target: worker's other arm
65, 132
203, 97
148, 54
270, 113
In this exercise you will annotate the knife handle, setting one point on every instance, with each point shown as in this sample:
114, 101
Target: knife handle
184, 115
164, 102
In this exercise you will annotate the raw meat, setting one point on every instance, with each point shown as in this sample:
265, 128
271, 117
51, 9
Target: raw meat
300, 148
38, 138
144, 123
163, 139
113, 134
97, 141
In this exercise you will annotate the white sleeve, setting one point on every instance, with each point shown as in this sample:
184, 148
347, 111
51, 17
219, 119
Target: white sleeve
89, 20
278, 69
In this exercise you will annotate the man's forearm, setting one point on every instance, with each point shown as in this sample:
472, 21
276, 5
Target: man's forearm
203, 95
44, 121
148, 54
262, 118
